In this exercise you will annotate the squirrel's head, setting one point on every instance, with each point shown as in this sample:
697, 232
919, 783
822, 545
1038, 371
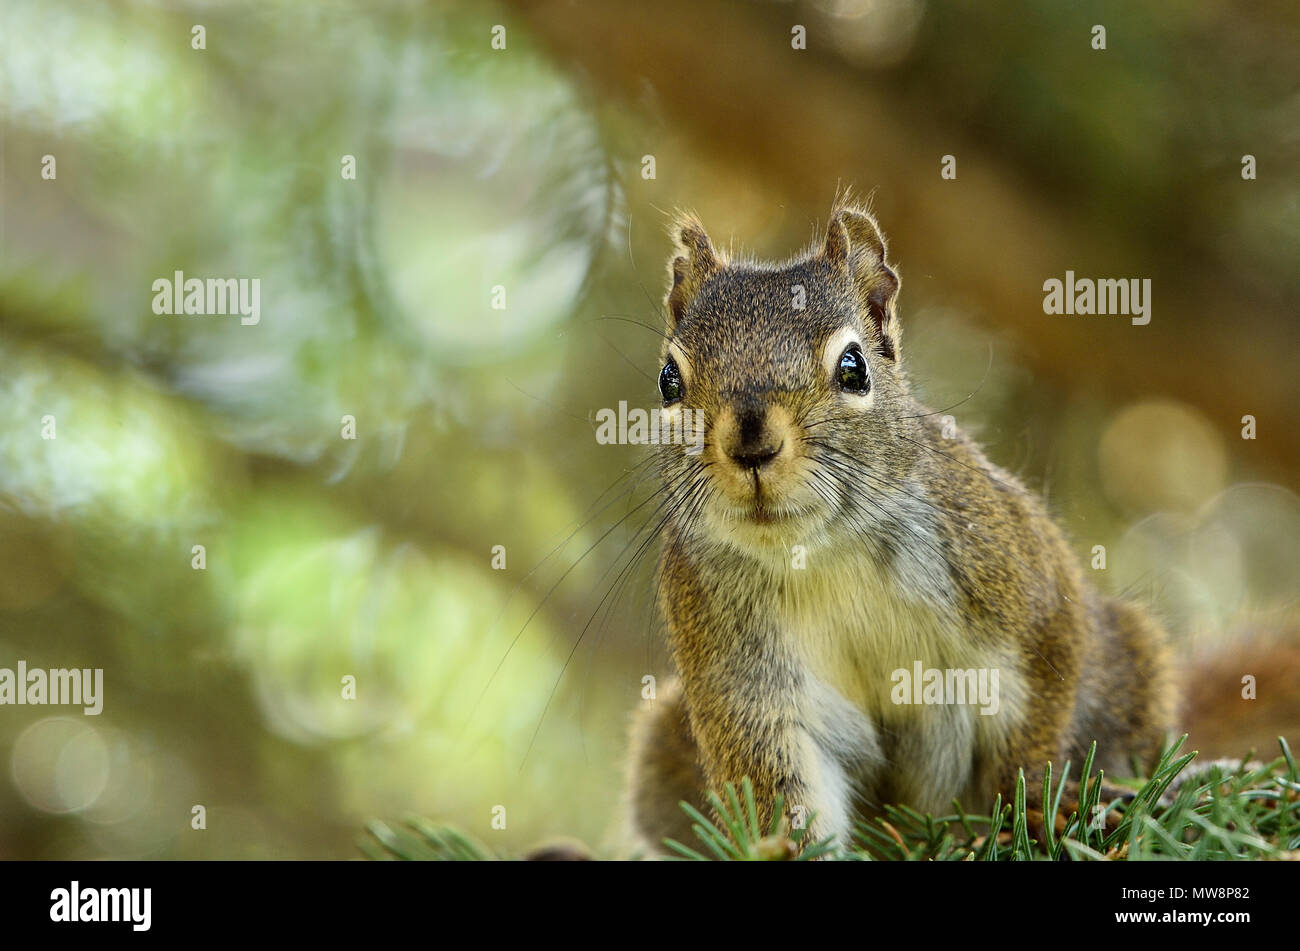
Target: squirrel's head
793, 380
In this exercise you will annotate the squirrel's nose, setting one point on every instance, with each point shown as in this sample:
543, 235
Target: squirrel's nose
753, 446
754, 458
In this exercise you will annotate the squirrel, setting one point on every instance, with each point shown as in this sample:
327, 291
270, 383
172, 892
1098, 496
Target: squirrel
829, 539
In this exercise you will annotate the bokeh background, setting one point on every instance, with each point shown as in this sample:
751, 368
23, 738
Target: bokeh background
524, 167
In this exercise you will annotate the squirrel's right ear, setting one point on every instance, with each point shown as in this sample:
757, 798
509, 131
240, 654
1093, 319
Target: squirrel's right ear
854, 243
693, 261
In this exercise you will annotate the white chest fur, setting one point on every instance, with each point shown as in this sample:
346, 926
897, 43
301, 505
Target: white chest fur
863, 625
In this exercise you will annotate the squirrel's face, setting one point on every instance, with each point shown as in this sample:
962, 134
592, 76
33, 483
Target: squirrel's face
788, 384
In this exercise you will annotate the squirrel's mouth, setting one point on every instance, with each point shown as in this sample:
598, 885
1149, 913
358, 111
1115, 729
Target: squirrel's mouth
755, 526
766, 506
760, 510
761, 513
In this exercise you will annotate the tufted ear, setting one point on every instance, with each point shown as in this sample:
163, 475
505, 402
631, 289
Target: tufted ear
693, 261
855, 245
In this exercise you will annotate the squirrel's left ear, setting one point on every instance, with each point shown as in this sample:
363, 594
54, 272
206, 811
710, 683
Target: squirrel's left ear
854, 243
692, 263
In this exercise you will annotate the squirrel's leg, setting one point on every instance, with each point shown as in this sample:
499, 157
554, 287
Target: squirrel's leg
1125, 702
765, 740
1130, 654
1127, 692
752, 706
664, 772
753, 715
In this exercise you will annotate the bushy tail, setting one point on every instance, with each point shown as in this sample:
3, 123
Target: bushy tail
1242, 694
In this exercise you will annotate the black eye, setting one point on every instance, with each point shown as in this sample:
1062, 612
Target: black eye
671, 387
853, 375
